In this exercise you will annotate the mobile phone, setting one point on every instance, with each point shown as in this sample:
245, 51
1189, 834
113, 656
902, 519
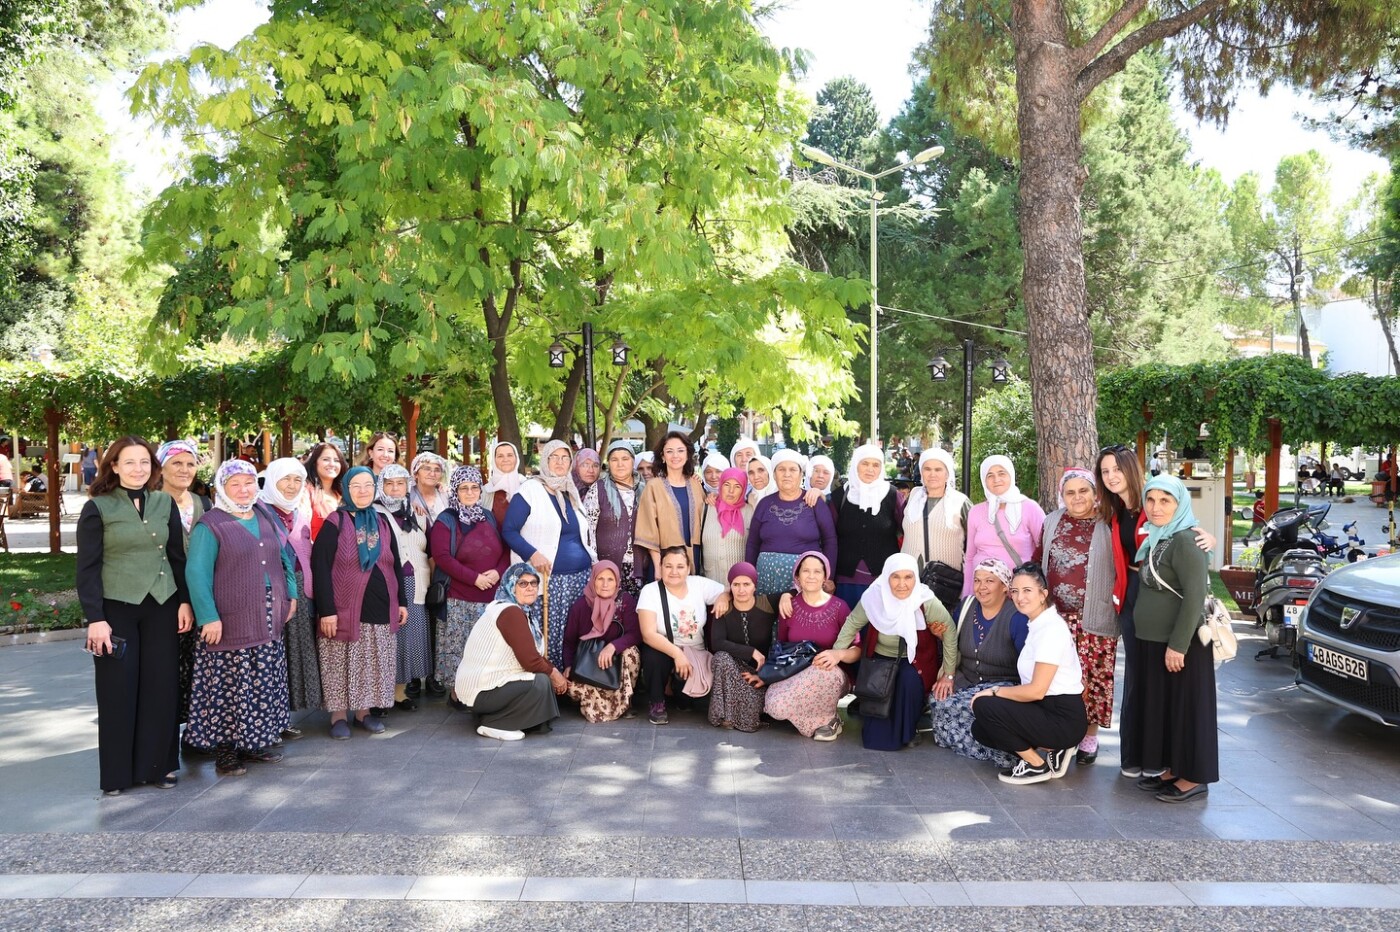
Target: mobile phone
118, 649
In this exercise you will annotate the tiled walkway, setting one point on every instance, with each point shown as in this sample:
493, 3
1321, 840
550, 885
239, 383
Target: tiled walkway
687, 827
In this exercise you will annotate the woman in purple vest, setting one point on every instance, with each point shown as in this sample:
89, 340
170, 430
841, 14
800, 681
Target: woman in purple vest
243, 587
358, 578
611, 506
284, 499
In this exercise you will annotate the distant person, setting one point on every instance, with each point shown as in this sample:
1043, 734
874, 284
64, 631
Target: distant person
89, 465
7, 472
1154, 465
33, 482
1337, 481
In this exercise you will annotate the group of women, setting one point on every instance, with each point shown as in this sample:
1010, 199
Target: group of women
748, 586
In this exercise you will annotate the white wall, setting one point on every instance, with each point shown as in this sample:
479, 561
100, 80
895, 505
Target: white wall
1355, 341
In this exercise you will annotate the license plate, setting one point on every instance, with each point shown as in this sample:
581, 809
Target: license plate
1292, 613
1338, 663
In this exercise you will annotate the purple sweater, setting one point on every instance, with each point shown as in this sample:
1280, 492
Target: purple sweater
624, 632
790, 527
479, 550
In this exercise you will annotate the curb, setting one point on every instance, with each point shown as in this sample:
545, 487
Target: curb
43, 637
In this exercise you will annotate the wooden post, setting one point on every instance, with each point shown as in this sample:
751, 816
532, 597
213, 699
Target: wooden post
1229, 503
1271, 466
266, 447
1142, 451
411, 410
481, 451
284, 443
52, 418
442, 442
467, 450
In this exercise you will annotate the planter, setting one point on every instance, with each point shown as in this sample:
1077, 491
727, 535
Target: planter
1240, 581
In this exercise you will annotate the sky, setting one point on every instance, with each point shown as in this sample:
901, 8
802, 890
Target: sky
874, 46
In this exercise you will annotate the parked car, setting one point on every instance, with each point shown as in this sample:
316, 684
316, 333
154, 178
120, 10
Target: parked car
1349, 639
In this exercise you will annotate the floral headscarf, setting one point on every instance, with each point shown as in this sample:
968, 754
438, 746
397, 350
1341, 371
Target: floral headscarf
397, 505
173, 448
505, 592
468, 515
227, 471
585, 455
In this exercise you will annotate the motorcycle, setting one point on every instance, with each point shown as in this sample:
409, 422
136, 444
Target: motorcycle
1292, 561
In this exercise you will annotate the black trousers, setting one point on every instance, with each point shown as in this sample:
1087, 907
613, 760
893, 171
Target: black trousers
1055, 722
138, 695
1129, 738
1178, 722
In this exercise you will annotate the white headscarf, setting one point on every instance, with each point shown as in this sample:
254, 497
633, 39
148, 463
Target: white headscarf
893, 616
822, 460
715, 460
277, 470
953, 500
867, 495
1012, 499
786, 456
772, 487
507, 482
744, 444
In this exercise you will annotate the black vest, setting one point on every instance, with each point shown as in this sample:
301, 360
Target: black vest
863, 536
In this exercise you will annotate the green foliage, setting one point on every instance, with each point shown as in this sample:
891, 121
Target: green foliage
845, 122
726, 434
1002, 424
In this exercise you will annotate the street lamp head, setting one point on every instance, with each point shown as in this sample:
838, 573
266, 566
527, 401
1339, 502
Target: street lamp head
619, 352
556, 355
938, 368
816, 155
1001, 370
928, 155
1204, 432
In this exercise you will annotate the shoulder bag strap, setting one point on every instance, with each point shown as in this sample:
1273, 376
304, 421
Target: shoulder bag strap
962, 615
1152, 565
666, 611
923, 520
1005, 542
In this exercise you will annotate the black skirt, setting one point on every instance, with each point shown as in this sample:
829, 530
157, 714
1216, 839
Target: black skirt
1177, 721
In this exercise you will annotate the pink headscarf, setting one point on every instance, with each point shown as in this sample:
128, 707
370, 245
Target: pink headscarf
731, 517
602, 609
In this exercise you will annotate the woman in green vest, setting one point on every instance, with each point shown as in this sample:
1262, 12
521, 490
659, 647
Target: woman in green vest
131, 584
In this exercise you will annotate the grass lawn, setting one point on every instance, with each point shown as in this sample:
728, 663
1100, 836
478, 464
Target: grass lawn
41, 572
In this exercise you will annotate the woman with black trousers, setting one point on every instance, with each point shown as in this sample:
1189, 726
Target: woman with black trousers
131, 584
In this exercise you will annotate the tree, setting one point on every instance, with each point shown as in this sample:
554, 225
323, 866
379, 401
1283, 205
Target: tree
1373, 251
1052, 55
845, 122
502, 172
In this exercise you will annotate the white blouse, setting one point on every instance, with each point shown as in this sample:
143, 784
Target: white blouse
1048, 640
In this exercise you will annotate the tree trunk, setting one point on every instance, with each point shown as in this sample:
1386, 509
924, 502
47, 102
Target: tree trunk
442, 442
1386, 317
284, 442
1064, 394
610, 419
568, 403
506, 416
410, 409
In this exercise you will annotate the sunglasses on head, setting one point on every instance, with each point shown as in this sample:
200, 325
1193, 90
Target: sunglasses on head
1116, 448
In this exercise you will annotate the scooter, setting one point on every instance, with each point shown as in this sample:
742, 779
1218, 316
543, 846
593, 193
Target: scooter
1290, 567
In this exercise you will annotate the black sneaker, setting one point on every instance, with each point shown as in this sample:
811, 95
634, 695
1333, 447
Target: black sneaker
1025, 773
658, 714
436, 689
413, 689
1059, 761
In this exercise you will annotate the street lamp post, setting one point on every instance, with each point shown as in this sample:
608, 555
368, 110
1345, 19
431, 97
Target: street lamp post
825, 158
557, 351
938, 368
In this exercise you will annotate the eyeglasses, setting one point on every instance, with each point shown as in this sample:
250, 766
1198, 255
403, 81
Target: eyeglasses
528, 583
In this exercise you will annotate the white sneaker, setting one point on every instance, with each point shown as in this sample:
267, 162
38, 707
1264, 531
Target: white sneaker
499, 734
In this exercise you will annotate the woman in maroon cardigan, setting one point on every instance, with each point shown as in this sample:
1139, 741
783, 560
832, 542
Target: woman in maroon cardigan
474, 566
604, 611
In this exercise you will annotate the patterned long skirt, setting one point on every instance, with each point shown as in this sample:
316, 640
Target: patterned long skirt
775, 574
564, 591
609, 705
238, 698
189, 643
452, 634
303, 667
359, 674
952, 727
1097, 656
413, 657
808, 700
733, 702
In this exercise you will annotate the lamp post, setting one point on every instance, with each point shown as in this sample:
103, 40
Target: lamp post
557, 351
825, 158
938, 368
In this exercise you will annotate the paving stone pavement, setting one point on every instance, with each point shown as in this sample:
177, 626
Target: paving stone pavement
630, 825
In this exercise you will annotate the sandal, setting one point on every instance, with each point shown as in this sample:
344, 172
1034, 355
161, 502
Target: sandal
169, 782
262, 756
227, 764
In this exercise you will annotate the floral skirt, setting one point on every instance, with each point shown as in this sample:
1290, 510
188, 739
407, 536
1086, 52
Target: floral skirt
564, 590
238, 698
1097, 656
609, 705
452, 633
808, 700
775, 573
359, 674
733, 701
413, 659
303, 666
952, 727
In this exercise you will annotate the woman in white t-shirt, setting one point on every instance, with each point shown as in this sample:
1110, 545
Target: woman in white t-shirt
672, 613
1046, 711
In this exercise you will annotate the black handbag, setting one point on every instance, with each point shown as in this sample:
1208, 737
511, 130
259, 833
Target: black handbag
437, 589
945, 581
785, 660
876, 679
587, 671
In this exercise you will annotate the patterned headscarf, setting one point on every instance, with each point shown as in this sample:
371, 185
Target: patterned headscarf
601, 610
397, 505
610, 485
468, 515
585, 455
172, 448
1074, 472
996, 567
558, 485
366, 520
427, 456
227, 471
505, 592
277, 470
